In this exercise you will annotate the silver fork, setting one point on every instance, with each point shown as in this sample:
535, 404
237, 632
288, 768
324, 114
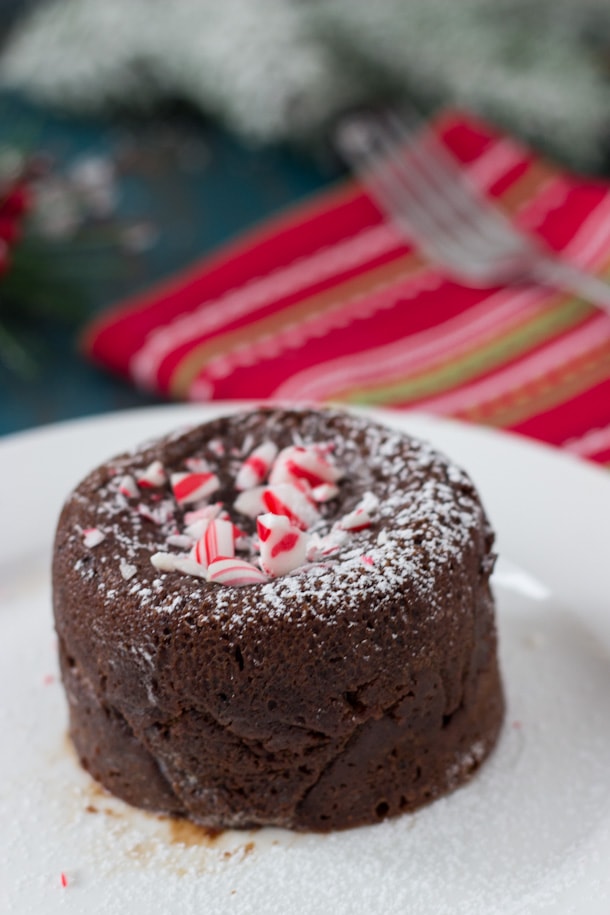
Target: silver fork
418, 183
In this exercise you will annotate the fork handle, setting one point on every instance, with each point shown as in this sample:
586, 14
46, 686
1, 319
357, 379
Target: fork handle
564, 276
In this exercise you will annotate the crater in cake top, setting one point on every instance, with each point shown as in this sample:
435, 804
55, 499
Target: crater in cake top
277, 504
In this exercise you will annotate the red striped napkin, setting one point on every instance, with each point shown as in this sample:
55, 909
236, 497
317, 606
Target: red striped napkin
331, 302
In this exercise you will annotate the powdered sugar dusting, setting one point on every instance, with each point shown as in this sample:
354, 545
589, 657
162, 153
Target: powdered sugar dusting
418, 515
502, 844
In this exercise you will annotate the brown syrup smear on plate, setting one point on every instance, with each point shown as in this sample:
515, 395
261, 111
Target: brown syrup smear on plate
185, 832
177, 831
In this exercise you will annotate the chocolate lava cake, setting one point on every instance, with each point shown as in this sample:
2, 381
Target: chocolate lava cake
280, 617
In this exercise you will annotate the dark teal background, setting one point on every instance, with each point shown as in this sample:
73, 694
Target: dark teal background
192, 181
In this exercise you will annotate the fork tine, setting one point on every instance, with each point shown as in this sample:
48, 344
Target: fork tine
413, 200
428, 195
450, 178
415, 171
355, 142
409, 189
371, 156
447, 173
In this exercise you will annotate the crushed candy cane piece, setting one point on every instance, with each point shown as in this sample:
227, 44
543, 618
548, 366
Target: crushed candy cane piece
300, 478
190, 487
153, 476
324, 492
197, 465
287, 499
217, 541
241, 539
250, 502
183, 541
310, 464
217, 447
355, 521
197, 529
199, 553
283, 546
63, 880
206, 511
127, 569
279, 473
173, 562
369, 502
256, 466
128, 487
92, 536
321, 547
234, 572
159, 514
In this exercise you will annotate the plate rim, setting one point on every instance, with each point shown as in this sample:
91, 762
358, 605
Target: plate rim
591, 478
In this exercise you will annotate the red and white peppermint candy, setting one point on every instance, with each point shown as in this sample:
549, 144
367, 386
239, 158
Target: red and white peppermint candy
250, 502
159, 514
310, 464
357, 520
183, 541
197, 465
300, 478
217, 541
93, 536
128, 487
234, 572
256, 466
279, 472
241, 539
217, 447
172, 562
286, 499
197, 529
205, 512
322, 547
190, 487
369, 502
153, 476
324, 492
283, 546
199, 554
325, 448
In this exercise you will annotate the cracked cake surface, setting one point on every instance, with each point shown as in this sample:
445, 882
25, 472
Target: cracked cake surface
361, 683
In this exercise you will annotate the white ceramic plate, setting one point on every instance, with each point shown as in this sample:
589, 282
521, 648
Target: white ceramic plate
530, 834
